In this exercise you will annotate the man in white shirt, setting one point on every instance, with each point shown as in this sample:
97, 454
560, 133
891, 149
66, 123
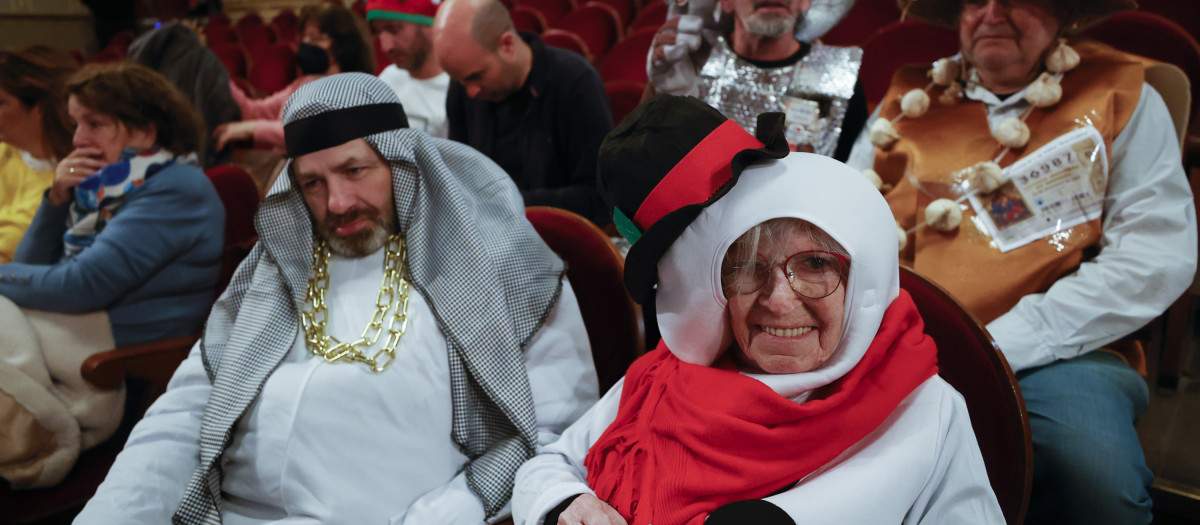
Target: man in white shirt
288, 411
403, 28
1070, 225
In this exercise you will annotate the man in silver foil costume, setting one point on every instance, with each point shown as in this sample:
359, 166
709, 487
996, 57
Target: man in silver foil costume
746, 57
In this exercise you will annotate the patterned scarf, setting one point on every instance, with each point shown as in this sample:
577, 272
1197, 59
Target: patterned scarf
99, 198
489, 279
689, 438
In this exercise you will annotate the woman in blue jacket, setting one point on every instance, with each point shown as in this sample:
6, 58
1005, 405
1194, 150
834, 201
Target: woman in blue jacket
125, 249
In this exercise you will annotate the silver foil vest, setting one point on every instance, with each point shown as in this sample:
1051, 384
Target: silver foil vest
814, 92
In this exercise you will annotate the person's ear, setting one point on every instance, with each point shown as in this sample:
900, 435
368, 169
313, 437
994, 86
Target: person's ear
506, 47
726, 6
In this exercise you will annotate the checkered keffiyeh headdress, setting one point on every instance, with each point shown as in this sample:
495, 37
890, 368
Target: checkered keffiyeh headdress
486, 274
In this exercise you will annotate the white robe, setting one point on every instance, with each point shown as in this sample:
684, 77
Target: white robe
337, 443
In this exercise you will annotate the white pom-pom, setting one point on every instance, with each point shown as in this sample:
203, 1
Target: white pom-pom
1045, 91
943, 215
951, 95
1012, 132
944, 72
903, 236
1062, 59
873, 178
914, 103
986, 176
882, 134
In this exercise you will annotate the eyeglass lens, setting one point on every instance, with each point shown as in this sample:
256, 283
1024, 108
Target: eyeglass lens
813, 274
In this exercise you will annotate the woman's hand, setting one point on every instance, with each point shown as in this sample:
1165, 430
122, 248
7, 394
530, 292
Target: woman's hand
78, 165
233, 132
590, 510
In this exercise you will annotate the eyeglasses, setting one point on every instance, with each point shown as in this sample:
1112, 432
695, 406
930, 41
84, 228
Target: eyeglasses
812, 274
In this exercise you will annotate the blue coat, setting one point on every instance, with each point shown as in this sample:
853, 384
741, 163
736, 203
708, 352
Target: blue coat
154, 268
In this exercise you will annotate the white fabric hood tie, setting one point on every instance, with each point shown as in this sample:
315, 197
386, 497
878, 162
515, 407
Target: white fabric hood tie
834, 197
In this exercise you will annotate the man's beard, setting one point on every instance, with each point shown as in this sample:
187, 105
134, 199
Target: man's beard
360, 243
770, 25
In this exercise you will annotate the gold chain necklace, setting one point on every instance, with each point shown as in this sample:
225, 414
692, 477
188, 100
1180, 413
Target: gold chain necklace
393, 295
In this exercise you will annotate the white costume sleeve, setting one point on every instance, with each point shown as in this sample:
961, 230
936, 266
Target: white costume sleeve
147, 482
556, 472
1147, 253
562, 377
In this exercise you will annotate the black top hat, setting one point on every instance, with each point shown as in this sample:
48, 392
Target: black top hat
667, 161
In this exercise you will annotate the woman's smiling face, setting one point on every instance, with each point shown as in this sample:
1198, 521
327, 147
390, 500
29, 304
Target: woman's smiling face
777, 330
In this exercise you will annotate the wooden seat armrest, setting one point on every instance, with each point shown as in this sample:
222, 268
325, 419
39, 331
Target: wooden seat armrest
155, 361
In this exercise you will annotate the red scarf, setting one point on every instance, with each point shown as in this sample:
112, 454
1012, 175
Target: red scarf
688, 438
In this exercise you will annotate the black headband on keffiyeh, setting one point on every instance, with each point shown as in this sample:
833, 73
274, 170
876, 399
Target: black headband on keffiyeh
487, 276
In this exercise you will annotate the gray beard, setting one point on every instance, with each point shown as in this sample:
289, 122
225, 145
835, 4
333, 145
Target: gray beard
361, 244
769, 25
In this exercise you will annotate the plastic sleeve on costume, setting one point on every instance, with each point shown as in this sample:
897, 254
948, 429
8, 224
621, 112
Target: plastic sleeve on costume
562, 378
1147, 253
557, 472
146, 483
138, 242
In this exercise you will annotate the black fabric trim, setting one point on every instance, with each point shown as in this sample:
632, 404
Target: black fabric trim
641, 263
783, 62
756, 511
334, 128
552, 516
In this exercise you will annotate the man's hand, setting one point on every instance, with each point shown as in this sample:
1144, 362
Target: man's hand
77, 166
590, 510
233, 132
664, 37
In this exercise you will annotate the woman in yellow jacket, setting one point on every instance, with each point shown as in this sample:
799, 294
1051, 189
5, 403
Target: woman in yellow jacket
35, 132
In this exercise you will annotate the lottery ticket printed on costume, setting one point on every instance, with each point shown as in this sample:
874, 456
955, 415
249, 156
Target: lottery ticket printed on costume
1060, 185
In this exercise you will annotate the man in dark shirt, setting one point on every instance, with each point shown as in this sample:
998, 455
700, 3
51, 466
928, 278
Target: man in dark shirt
539, 112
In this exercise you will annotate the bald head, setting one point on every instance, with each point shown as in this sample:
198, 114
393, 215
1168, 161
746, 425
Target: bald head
474, 41
484, 21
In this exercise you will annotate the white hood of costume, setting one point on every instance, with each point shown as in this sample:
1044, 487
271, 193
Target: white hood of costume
836, 198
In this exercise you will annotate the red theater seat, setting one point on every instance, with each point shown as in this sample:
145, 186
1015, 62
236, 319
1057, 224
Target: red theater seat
898, 44
552, 10
595, 269
598, 25
273, 68
527, 19
652, 15
623, 96
626, 61
566, 40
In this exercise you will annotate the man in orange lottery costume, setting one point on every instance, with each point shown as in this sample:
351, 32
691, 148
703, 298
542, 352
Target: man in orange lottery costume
1038, 179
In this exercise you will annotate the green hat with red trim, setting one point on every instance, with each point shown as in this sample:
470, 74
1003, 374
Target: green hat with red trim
415, 11
667, 161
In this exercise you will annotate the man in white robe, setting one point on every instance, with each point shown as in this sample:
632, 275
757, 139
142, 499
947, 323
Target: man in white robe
271, 420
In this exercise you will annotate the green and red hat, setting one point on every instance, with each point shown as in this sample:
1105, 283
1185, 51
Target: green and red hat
667, 161
415, 11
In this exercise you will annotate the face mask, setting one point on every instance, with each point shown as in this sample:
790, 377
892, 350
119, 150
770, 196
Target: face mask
312, 59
